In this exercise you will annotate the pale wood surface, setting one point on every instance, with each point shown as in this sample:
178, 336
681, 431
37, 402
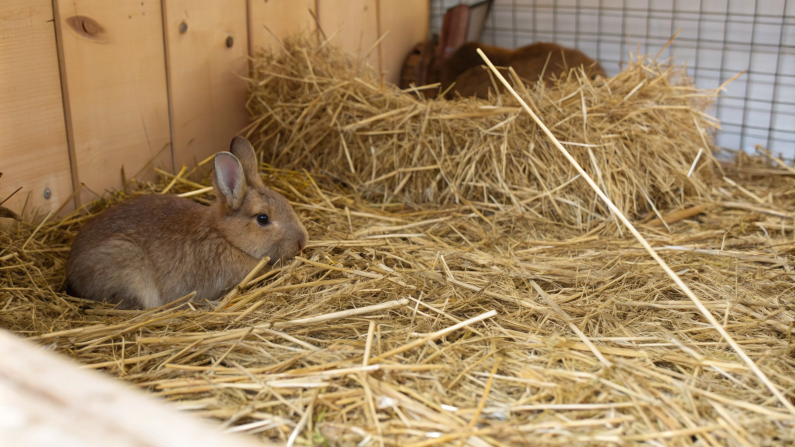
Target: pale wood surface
282, 17
208, 93
407, 22
46, 400
354, 24
109, 104
116, 86
33, 148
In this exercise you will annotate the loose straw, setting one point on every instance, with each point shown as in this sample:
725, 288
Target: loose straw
482, 403
434, 336
37, 230
304, 419
721, 330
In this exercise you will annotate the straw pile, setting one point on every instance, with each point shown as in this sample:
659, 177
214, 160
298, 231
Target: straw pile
425, 324
638, 134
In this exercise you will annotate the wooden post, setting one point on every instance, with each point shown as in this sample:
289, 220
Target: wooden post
33, 150
354, 25
206, 61
407, 22
282, 17
46, 400
114, 73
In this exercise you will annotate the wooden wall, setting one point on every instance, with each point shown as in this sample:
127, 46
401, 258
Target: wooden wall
90, 86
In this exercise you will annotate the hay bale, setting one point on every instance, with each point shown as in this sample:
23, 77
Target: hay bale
638, 135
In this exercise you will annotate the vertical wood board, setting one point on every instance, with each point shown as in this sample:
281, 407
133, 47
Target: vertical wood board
407, 23
112, 89
207, 92
354, 25
282, 18
33, 148
115, 83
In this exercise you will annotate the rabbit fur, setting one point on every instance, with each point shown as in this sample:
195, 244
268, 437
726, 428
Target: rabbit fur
467, 69
155, 248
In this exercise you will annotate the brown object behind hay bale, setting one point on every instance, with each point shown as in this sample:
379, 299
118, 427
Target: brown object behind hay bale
418, 68
637, 135
464, 75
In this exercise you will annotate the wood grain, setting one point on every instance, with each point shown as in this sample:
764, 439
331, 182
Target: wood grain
47, 400
33, 148
354, 24
407, 23
282, 18
206, 87
115, 87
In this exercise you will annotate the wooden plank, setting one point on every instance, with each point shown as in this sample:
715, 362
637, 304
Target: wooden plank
207, 93
33, 147
407, 23
46, 400
115, 85
355, 23
282, 17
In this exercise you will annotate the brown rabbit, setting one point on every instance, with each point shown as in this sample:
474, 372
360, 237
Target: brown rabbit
467, 69
154, 249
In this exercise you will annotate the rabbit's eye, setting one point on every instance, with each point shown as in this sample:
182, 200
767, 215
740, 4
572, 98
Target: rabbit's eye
262, 219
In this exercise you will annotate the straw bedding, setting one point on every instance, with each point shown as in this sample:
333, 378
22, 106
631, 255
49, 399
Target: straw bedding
638, 135
477, 321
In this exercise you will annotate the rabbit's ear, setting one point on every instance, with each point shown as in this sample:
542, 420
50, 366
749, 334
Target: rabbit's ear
230, 180
244, 152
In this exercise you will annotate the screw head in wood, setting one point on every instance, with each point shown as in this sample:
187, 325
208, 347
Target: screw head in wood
183, 27
47, 193
230, 41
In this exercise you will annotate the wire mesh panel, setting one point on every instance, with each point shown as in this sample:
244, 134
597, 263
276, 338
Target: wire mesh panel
719, 39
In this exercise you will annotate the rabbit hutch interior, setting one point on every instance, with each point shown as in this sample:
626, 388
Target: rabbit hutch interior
377, 222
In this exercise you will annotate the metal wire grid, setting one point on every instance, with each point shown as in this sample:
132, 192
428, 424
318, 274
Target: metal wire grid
719, 39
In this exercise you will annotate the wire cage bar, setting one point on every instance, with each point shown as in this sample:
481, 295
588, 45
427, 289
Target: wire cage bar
718, 39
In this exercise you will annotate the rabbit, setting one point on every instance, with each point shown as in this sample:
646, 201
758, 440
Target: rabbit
467, 69
155, 248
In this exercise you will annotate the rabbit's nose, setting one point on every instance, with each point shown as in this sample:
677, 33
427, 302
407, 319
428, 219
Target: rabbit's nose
301, 244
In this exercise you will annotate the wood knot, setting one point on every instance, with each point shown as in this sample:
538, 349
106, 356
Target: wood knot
86, 27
